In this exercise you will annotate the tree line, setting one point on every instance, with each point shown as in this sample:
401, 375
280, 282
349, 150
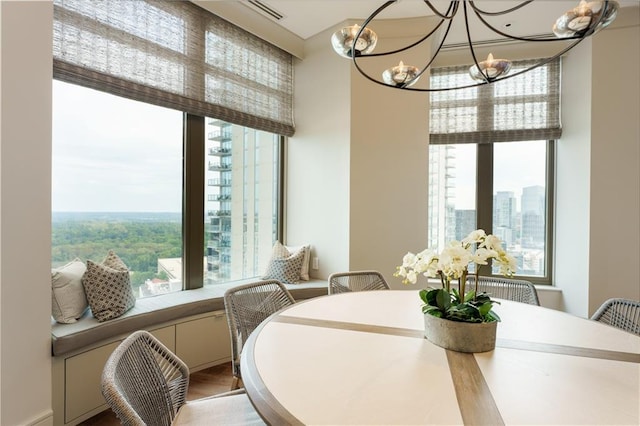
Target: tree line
138, 244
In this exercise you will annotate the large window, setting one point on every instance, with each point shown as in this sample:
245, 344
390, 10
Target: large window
491, 164
123, 180
140, 168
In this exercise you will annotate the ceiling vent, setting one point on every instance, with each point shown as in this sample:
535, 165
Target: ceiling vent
265, 9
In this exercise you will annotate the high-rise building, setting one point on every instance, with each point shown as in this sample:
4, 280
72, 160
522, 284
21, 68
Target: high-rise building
465, 223
504, 216
533, 216
442, 214
241, 209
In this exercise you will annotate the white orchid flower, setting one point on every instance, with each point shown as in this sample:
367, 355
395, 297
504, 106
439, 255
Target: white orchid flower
476, 236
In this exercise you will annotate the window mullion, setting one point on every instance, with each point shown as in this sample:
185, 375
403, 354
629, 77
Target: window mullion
484, 194
193, 201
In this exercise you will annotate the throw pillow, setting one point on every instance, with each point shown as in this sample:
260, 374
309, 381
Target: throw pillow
108, 291
284, 266
68, 301
113, 261
304, 271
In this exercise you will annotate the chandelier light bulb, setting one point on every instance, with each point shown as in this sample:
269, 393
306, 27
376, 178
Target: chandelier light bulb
490, 68
401, 75
343, 41
585, 16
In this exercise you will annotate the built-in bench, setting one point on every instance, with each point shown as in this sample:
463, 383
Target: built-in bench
155, 310
191, 323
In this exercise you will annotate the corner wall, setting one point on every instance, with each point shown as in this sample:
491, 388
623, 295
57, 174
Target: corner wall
598, 169
614, 256
357, 167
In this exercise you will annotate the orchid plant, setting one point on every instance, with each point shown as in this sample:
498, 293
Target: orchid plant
451, 264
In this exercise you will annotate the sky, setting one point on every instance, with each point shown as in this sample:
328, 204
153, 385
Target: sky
516, 166
114, 154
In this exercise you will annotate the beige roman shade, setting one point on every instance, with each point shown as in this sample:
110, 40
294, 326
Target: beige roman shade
177, 55
525, 107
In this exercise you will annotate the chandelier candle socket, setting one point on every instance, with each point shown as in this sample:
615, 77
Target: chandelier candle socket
342, 41
401, 75
586, 16
490, 69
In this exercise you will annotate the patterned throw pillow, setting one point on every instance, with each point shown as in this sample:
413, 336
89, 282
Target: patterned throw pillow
68, 301
108, 288
304, 270
284, 266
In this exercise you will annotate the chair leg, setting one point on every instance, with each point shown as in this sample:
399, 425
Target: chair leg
235, 383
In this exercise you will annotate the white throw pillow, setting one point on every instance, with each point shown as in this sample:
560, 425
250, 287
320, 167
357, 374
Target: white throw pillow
68, 300
304, 271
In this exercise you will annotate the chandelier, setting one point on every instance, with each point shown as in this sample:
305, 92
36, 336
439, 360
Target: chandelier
358, 42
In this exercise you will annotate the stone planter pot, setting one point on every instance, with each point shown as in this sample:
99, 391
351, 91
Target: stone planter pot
460, 336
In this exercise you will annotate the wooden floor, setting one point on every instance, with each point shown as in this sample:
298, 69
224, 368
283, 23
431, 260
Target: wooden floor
203, 383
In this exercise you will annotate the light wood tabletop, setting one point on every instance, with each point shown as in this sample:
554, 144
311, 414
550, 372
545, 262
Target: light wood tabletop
362, 359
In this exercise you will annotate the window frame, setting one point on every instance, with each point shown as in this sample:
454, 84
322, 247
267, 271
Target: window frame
193, 196
485, 128
484, 204
194, 189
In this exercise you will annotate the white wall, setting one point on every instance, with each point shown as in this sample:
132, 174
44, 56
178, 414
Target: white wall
317, 193
614, 254
598, 169
25, 213
573, 156
356, 167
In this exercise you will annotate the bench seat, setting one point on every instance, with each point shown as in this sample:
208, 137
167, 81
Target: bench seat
159, 309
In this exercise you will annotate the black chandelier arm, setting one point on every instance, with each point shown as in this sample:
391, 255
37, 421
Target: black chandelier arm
421, 40
447, 15
542, 62
484, 74
401, 74
402, 49
426, 67
501, 12
587, 33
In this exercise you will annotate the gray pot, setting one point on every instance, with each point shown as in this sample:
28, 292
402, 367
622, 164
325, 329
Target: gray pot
460, 336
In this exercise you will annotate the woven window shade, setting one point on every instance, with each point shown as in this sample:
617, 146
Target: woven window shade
525, 107
177, 55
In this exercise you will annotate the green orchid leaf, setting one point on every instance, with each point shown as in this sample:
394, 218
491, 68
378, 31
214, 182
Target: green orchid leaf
431, 297
443, 299
423, 296
492, 316
469, 296
432, 310
484, 308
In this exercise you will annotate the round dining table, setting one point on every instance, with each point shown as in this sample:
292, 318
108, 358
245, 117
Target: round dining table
361, 359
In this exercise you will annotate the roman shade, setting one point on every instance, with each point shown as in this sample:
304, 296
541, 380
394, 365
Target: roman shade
525, 107
177, 55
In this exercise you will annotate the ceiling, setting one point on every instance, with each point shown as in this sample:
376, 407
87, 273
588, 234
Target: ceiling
306, 18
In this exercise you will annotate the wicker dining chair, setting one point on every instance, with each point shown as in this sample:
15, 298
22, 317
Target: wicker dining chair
344, 282
506, 288
621, 313
145, 383
246, 306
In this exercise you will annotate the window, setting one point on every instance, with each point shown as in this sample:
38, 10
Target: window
170, 65
491, 164
118, 185
242, 172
